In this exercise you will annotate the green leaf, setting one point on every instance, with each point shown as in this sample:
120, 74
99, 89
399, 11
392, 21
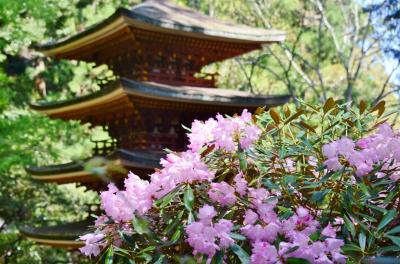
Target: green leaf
362, 239
146, 257
388, 249
351, 248
395, 239
218, 258
315, 236
110, 256
173, 223
140, 225
268, 183
297, 261
318, 196
349, 225
162, 202
160, 260
377, 208
149, 248
393, 230
292, 249
127, 239
237, 236
242, 160
188, 198
387, 218
175, 238
289, 179
240, 253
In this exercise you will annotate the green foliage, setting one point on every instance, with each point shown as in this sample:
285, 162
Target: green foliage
28, 139
288, 161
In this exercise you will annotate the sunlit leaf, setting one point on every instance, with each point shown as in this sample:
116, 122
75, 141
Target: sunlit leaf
240, 253
275, 116
387, 218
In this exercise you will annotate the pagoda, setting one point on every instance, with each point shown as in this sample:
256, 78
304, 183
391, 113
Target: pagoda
157, 50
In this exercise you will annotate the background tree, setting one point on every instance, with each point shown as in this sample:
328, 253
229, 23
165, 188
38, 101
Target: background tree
30, 139
332, 48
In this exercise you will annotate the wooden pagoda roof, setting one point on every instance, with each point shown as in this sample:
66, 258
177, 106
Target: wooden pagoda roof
125, 92
61, 236
141, 162
164, 17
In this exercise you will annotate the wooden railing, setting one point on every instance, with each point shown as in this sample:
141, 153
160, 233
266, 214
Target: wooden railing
104, 147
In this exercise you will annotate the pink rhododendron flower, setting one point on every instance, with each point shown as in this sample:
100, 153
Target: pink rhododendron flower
184, 168
121, 205
264, 253
222, 193
250, 217
92, 244
251, 133
224, 133
206, 214
115, 204
383, 147
205, 237
240, 184
329, 231
101, 220
201, 133
300, 223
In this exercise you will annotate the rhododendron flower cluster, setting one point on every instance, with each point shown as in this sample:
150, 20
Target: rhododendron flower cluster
261, 192
383, 147
206, 237
138, 196
224, 133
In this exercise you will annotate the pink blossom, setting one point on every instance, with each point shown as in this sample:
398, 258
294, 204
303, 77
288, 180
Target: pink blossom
201, 134
333, 164
205, 237
121, 205
101, 220
251, 133
222, 229
383, 148
222, 193
240, 184
329, 231
245, 116
224, 133
206, 214
250, 217
264, 253
92, 244
115, 204
300, 223
187, 167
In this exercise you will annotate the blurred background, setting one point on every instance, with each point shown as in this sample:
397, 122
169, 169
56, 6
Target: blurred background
348, 49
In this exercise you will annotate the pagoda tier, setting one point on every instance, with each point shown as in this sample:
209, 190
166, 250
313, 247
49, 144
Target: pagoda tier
161, 42
60, 236
149, 115
140, 162
157, 49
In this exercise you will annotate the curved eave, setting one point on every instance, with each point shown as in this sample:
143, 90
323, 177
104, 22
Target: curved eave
71, 167
147, 160
112, 92
189, 95
200, 95
62, 235
144, 161
124, 18
58, 243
